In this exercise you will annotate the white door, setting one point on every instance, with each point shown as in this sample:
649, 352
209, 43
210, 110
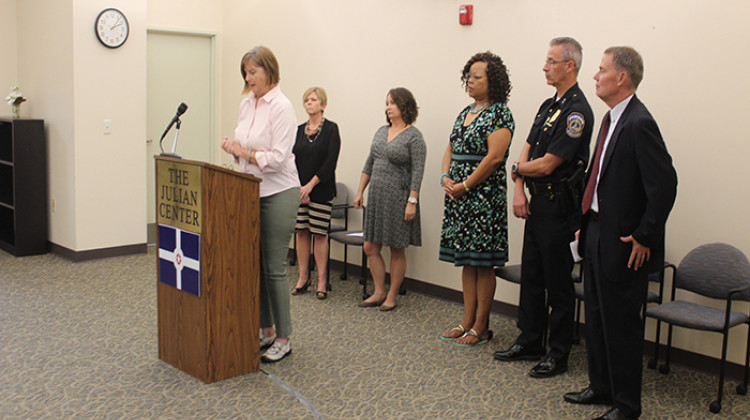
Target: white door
179, 69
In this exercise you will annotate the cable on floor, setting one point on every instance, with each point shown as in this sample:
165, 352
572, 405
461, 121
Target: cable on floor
296, 394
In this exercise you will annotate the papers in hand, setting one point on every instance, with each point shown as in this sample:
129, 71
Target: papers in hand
574, 251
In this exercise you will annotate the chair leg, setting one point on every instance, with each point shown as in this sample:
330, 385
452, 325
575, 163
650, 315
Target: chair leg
742, 389
715, 406
311, 257
577, 323
665, 367
343, 276
402, 289
363, 279
293, 259
328, 263
655, 361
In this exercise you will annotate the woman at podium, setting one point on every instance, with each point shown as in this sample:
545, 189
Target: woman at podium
262, 147
316, 152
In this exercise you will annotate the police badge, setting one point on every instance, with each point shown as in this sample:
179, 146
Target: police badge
576, 122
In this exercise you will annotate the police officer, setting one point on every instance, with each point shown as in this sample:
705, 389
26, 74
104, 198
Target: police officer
551, 166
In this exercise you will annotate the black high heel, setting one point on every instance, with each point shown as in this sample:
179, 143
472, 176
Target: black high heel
301, 290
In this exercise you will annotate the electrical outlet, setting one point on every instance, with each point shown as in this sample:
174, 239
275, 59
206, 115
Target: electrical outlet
107, 126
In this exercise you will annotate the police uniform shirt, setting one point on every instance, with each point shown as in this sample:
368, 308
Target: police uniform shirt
563, 128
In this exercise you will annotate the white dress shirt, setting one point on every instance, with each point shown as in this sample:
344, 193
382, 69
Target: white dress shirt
268, 126
614, 116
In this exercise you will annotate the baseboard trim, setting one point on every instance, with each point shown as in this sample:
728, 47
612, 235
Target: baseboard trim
152, 233
685, 358
94, 254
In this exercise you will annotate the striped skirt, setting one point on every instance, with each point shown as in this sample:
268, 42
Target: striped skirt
316, 217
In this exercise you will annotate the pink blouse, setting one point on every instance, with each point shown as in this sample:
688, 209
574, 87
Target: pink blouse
269, 127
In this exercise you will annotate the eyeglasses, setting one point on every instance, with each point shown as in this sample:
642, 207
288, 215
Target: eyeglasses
550, 62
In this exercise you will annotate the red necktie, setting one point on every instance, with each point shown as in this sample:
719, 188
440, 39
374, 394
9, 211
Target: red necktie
588, 193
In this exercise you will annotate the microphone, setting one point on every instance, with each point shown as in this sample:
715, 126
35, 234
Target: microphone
180, 110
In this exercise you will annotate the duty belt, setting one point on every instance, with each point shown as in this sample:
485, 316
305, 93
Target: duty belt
547, 188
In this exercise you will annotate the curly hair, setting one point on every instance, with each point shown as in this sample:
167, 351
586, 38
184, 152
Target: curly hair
406, 103
498, 80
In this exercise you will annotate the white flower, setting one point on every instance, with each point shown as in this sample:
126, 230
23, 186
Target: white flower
15, 97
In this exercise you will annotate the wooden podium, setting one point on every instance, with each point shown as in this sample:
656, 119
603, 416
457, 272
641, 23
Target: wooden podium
207, 269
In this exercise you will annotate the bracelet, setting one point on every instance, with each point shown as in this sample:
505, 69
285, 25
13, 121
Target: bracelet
249, 152
441, 179
466, 187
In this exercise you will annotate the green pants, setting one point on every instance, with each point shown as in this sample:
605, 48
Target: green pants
278, 213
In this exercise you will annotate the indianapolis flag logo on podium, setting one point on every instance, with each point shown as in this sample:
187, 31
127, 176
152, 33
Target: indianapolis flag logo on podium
179, 259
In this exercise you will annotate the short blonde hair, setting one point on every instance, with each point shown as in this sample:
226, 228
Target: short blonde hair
322, 97
262, 57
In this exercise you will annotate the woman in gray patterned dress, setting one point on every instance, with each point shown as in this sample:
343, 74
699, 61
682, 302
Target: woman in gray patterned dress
475, 222
393, 171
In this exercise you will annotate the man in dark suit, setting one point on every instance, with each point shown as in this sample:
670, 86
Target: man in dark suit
630, 190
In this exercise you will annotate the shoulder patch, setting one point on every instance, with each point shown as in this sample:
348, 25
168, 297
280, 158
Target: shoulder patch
576, 122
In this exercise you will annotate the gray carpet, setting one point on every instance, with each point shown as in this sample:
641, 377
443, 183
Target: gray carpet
79, 340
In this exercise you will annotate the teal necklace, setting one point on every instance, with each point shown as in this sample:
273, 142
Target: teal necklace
477, 111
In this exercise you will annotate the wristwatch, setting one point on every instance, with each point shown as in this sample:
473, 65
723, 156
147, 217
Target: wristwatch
412, 200
514, 168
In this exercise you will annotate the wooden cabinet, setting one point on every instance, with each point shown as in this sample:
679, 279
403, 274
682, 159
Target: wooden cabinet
23, 187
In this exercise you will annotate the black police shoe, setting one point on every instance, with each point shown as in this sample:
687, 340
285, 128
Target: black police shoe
614, 413
517, 352
587, 396
549, 367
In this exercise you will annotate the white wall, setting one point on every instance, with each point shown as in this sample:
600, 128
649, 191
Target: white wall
74, 83
45, 68
110, 168
191, 15
8, 50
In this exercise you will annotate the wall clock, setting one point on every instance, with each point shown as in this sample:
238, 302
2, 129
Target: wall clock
112, 28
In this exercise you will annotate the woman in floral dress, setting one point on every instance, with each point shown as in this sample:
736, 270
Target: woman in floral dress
475, 222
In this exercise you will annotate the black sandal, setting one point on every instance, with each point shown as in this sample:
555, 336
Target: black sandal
321, 295
301, 290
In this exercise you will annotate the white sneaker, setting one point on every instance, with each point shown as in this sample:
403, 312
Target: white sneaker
277, 352
266, 341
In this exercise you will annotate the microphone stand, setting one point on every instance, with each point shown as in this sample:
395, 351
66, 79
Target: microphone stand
174, 144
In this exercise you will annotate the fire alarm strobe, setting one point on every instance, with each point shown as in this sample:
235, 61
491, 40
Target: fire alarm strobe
465, 14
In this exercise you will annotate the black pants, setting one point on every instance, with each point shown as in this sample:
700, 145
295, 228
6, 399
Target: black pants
614, 328
546, 265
